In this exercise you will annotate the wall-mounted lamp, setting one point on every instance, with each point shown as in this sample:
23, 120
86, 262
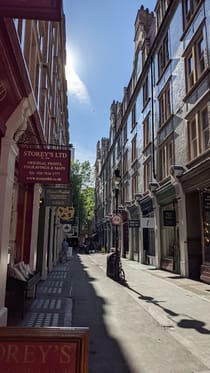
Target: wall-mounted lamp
138, 197
176, 170
153, 186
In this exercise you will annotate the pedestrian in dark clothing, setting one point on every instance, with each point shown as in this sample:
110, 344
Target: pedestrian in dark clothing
64, 250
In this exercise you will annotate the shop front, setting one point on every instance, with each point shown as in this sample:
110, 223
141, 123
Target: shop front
169, 229
134, 233
148, 233
196, 186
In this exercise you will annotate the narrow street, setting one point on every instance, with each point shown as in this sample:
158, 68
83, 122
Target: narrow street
155, 324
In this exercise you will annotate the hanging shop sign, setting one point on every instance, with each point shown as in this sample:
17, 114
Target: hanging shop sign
43, 350
116, 219
206, 201
147, 223
65, 214
67, 228
49, 10
57, 196
73, 232
169, 218
44, 166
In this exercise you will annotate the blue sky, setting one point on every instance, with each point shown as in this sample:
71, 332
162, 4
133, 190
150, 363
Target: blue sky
100, 52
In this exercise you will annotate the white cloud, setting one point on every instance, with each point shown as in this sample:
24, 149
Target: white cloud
76, 87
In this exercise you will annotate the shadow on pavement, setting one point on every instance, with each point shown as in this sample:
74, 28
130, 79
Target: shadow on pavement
105, 354
184, 323
193, 324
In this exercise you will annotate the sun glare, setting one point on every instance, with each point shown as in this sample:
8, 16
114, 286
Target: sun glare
71, 60
76, 86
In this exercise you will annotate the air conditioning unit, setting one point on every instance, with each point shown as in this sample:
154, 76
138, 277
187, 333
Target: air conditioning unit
176, 171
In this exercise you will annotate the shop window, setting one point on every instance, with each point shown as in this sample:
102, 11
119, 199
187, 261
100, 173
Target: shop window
166, 158
164, 105
198, 133
195, 63
170, 236
206, 226
163, 56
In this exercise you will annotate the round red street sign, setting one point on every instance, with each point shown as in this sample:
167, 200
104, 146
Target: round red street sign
116, 219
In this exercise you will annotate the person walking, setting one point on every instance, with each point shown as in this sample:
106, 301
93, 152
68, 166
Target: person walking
64, 250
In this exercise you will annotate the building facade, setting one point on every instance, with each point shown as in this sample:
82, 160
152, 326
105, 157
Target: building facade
33, 112
159, 140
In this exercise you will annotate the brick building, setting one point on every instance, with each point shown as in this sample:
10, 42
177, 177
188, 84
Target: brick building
33, 112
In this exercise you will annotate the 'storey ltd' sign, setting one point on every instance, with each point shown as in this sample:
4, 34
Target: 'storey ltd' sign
44, 166
50, 10
43, 350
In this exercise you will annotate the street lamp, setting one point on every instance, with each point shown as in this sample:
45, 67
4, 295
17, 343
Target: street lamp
114, 265
116, 180
119, 274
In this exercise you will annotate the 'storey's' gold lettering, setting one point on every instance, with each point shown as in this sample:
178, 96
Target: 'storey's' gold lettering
44, 352
29, 354
12, 352
66, 354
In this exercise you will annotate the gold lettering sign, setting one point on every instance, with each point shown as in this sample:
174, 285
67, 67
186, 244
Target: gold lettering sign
43, 350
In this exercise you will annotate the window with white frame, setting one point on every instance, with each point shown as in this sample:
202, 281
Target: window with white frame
195, 63
166, 158
198, 133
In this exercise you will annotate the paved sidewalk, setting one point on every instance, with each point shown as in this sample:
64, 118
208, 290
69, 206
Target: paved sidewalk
53, 304
179, 304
